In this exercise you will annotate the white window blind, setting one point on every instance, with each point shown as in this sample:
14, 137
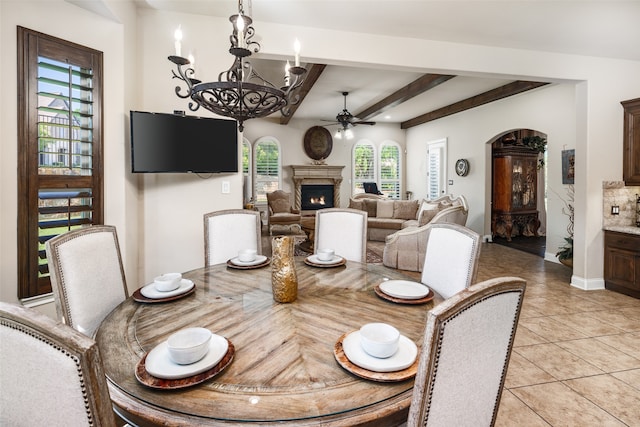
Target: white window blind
436, 175
267, 160
364, 166
390, 170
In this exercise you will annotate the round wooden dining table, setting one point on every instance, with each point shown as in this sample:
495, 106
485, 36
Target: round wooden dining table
284, 370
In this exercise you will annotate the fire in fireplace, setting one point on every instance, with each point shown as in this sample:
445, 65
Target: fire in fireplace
316, 197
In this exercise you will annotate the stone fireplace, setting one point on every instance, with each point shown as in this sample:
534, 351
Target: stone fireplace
318, 182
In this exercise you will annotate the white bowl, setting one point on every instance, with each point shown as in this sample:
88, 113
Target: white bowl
188, 345
167, 282
325, 254
379, 340
247, 255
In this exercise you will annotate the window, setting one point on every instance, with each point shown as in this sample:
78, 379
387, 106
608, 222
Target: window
267, 161
390, 170
59, 148
246, 170
437, 171
364, 165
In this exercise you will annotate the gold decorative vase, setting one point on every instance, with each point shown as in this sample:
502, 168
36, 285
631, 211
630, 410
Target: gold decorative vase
283, 270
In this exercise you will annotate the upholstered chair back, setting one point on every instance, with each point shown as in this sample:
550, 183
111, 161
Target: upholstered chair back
229, 231
451, 259
51, 374
465, 354
343, 230
87, 276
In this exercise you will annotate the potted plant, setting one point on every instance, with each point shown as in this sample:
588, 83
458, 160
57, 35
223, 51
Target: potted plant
565, 252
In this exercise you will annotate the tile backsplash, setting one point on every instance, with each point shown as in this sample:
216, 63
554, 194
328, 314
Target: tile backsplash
614, 193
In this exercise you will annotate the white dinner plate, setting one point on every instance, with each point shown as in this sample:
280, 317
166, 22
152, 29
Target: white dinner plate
404, 357
160, 365
315, 260
259, 260
150, 290
404, 289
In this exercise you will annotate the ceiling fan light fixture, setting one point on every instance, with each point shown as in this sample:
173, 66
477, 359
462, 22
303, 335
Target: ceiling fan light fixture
338, 134
348, 134
240, 92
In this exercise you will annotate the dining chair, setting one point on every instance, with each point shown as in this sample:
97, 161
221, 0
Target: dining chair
465, 354
344, 231
87, 276
451, 258
51, 374
227, 232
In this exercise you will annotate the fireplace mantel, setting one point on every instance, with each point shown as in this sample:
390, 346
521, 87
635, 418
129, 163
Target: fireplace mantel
316, 174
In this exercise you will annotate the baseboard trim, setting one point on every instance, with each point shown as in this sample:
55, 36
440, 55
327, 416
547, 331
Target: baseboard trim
587, 284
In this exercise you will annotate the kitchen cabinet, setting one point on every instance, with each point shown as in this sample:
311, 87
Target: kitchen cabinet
622, 263
631, 145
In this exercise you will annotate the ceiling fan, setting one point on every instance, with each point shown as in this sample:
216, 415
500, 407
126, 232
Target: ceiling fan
347, 120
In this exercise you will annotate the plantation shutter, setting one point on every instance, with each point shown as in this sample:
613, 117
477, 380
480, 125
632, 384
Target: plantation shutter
363, 166
267, 157
390, 171
60, 148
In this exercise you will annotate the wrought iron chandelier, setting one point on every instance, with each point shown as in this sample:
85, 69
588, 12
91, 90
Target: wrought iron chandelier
240, 92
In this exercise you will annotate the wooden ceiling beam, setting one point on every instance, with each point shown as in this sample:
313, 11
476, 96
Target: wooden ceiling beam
312, 77
496, 94
420, 85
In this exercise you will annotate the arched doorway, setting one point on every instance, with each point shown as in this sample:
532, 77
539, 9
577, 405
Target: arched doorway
518, 196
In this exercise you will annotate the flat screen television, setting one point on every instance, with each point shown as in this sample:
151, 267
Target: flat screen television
177, 143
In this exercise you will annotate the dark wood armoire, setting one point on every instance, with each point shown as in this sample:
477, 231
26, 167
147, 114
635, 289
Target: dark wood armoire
514, 207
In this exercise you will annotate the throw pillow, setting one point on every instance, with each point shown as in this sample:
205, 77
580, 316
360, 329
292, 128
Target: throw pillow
426, 206
427, 216
385, 208
371, 206
279, 206
357, 204
405, 209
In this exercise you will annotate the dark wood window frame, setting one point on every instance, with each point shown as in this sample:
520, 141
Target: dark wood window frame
31, 46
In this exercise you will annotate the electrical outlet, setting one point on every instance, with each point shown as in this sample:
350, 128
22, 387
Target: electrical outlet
450, 182
226, 187
615, 210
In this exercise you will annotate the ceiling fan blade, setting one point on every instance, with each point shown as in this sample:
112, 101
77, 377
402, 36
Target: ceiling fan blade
364, 123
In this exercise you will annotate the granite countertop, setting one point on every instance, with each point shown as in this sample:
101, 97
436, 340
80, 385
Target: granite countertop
629, 229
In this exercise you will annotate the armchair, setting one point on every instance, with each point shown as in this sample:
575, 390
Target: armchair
280, 210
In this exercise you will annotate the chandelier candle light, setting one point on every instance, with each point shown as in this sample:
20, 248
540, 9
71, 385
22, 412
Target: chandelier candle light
240, 92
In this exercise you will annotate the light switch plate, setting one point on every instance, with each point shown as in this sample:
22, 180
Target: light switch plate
226, 187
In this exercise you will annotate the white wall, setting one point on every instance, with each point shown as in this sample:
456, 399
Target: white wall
469, 134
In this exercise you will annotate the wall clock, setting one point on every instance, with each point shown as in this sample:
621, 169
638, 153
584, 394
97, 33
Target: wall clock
462, 167
318, 143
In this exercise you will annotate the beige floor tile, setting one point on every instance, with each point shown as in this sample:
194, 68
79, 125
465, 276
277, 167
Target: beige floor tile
599, 354
587, 324
618, 319
631, 377
522, 372
559, 405
525, 336
557, 362
628, 343
550, 329
512, 412
545, 308
612, 395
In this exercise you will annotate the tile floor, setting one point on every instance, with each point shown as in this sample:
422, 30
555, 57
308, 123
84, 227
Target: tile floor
576, 356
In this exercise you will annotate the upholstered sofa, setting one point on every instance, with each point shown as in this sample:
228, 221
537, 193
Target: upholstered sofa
386, 216
406, 248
